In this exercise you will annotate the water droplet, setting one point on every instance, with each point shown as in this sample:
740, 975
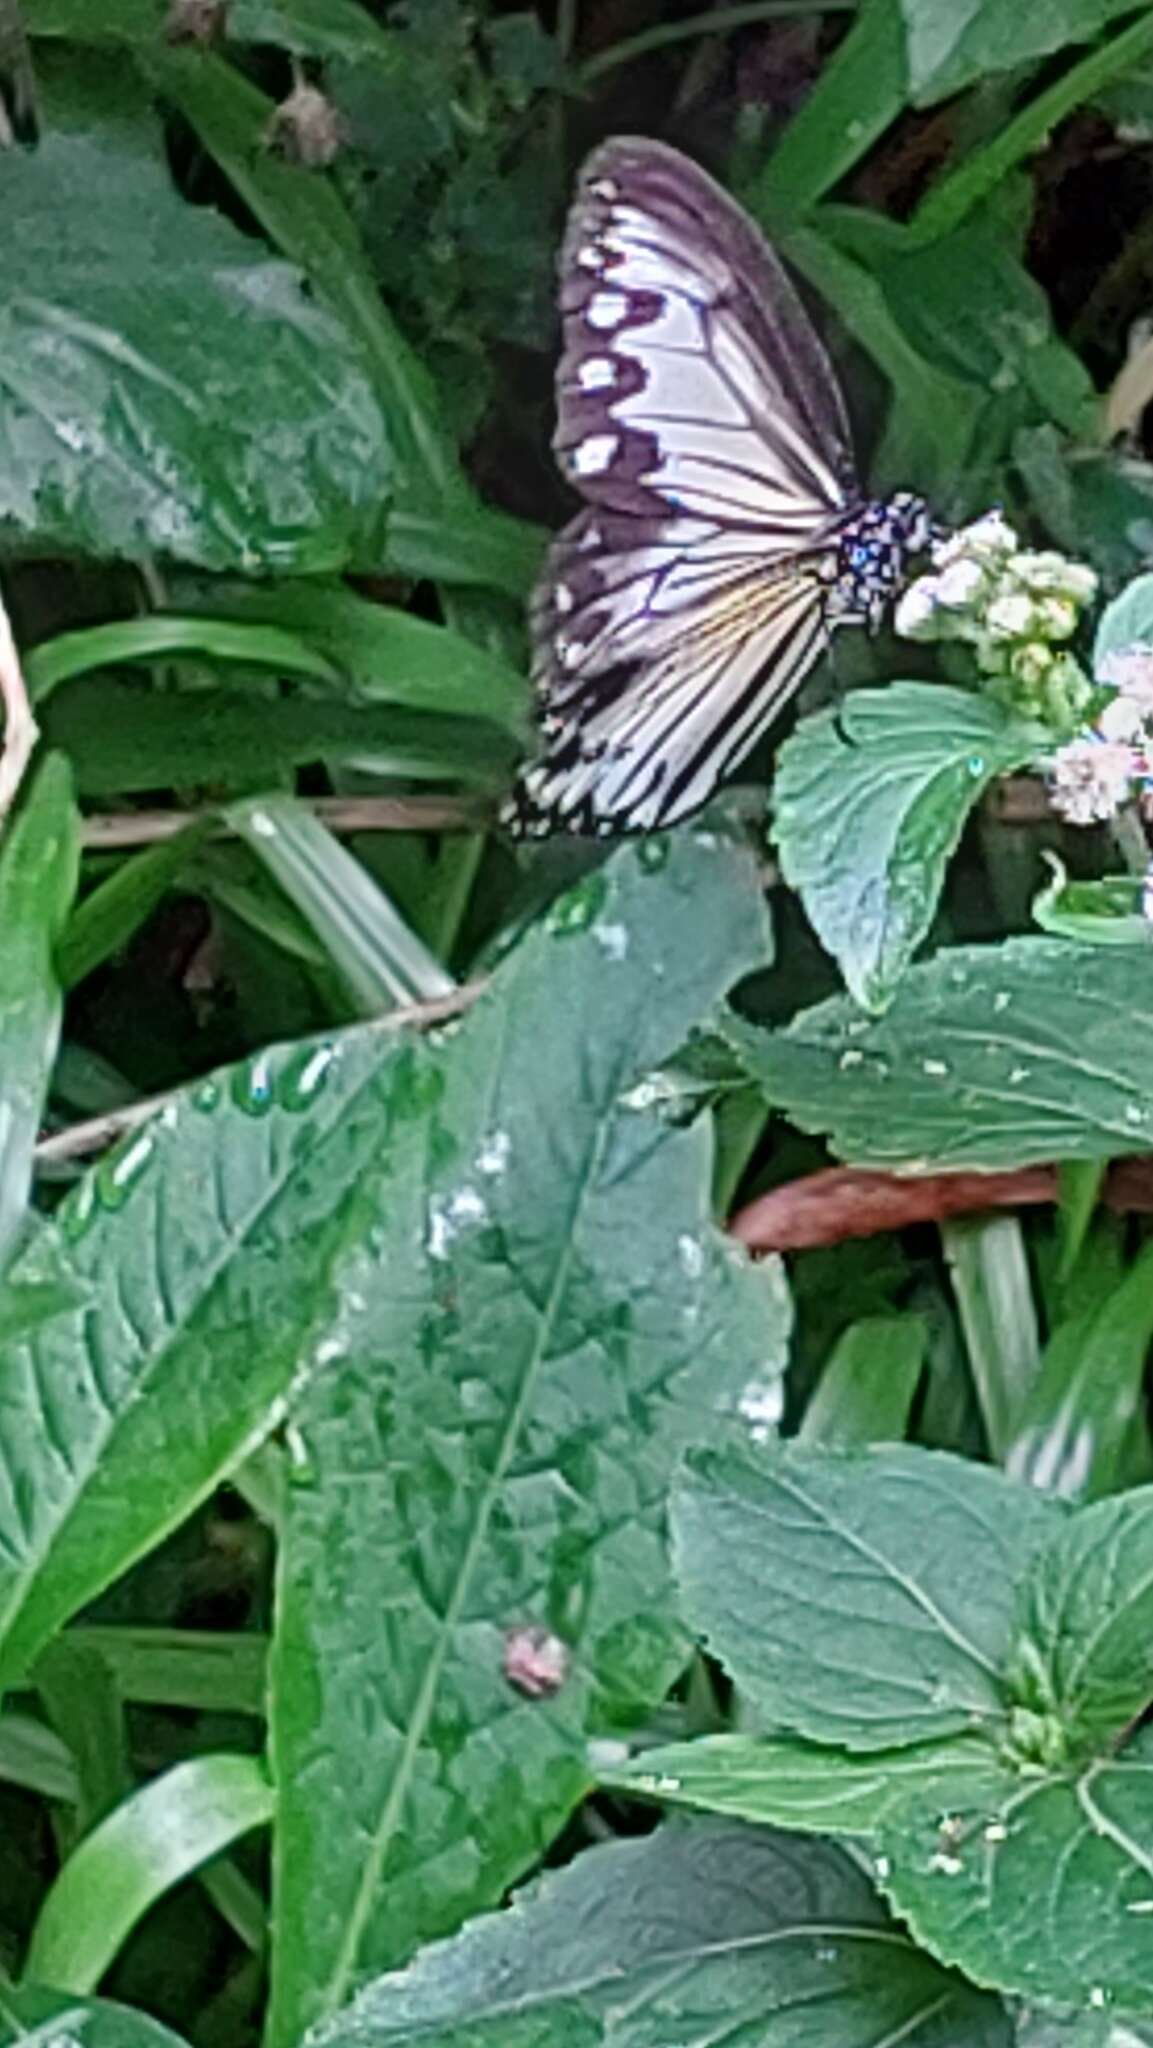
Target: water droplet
494, 1153
252, 1086
118, 1174
1135, 1115
976, 764
613, 939
691, 1255
653, 853
665, 1783
852, 1058
1001, 1000
304, 1078
77, 1213
206, 1096
938, 1069
577, 908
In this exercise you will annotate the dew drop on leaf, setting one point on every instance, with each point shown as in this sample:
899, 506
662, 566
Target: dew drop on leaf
77, 1214
576, 909
252, 1089
206, 1096
117, 1175
301, 1082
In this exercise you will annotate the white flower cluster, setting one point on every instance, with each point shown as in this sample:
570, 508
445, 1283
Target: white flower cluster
1015, 608
1099, 771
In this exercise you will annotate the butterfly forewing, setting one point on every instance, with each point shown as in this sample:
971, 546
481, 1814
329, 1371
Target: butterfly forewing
699, 419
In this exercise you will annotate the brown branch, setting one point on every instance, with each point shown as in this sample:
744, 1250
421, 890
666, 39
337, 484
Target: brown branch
845, 1201
119, 830
80, 1141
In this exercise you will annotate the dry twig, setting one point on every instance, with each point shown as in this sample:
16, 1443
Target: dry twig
96, 1133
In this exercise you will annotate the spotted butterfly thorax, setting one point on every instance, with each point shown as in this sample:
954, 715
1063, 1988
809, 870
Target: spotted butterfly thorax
724, 533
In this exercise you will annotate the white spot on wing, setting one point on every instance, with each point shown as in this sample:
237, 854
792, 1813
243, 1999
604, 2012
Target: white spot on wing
592, 456
597, 373
606, 310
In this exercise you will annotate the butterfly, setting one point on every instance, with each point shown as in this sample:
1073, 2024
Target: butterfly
724, 533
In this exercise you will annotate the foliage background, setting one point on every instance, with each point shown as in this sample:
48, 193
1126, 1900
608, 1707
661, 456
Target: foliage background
366, 1359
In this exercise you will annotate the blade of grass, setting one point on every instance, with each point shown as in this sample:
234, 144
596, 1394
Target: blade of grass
861, 90
957, 193
866, 1390
161, 1834
994, 1295
110, 915
378, 957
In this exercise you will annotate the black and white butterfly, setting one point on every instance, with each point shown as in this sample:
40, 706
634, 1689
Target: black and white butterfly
724, 533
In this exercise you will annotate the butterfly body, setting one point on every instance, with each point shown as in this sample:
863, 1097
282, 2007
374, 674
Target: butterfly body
724, 534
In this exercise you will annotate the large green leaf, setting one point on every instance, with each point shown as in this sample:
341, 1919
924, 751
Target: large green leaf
1036, 1883
542, 1317
870, 800
863, 1599
166, 387
51, 2019
953, 42
122, 737
788, 1783
1084, 1647
38, 867
990, 1056
700, 1934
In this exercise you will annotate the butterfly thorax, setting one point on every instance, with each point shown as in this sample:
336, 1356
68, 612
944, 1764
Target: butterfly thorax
875, 545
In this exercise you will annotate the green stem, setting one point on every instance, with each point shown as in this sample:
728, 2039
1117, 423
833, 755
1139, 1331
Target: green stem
720, 21
947, 205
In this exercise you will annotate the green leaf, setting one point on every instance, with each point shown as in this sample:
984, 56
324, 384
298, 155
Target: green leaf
114, 911
166, 389
385, 655
33, 1755
39, 860
80, 1698
1084, 1648
870, 801
867, 1387
123, 738
701, 1933
160, 636
543, 1316
989, 1269
787, 1783
203, 1258
377, 956
1096, 504
860, 90
864, 1599
36, 2019
950, 46
990, 1056
1081, 1429
182, 1667
1127, 622
158, 1836
312, 28
1036, 1884
1101, 913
